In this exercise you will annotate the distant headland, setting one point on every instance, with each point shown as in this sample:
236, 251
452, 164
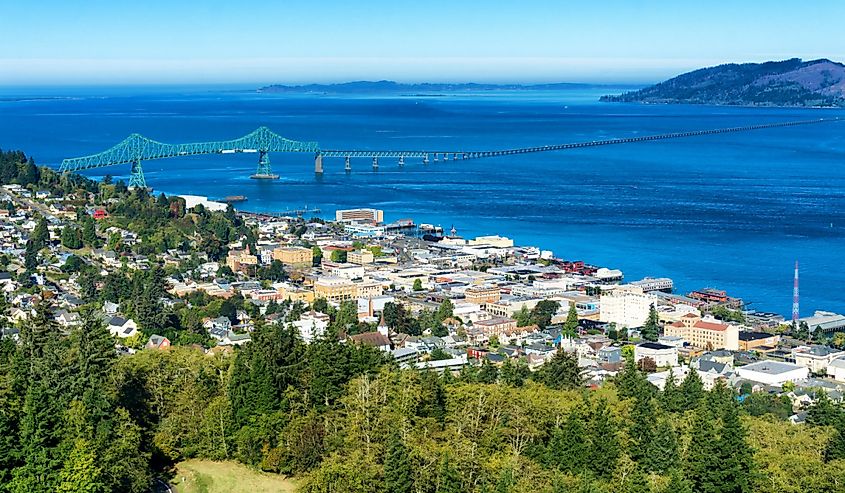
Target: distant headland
815, 83
389, 86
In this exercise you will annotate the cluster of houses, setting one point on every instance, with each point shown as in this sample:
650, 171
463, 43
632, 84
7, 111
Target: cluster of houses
490, 283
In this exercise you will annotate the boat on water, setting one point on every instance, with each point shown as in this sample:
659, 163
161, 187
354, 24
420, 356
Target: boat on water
229, 199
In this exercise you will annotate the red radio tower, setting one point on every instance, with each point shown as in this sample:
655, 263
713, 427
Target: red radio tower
795, 295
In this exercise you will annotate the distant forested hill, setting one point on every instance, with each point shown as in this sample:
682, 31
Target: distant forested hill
389, 86
786, 83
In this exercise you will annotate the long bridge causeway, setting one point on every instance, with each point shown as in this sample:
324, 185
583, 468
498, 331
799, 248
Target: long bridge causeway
136, 148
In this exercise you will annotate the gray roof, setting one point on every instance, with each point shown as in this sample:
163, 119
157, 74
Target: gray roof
771, 367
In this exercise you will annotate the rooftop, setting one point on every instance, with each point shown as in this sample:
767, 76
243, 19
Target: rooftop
771, 367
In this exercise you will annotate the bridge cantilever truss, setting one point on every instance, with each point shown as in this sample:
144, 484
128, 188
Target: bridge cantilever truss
137, 148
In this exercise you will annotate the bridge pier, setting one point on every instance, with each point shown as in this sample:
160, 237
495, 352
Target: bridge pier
347, 165
136, 176
401, 161
425, 159
436, 158
264, 172
375, 163
318, 163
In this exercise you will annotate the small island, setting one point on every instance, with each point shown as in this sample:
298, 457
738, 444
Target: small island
796, 83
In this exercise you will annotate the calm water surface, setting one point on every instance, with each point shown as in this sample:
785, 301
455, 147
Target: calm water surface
730, 211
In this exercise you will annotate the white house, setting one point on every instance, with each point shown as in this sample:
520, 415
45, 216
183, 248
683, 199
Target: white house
122, 327
311, 325
662, 354
836, 369
816, 357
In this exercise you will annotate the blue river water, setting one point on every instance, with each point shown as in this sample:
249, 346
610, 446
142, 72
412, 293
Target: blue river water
732, 211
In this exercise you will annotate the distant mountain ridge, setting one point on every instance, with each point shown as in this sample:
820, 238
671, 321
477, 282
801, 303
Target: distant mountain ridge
785, 83
392, 86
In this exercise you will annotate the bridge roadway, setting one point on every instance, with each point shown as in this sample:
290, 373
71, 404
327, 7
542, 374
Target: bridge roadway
559, 147
137, 148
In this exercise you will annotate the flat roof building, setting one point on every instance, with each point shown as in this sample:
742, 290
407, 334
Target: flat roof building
773, 372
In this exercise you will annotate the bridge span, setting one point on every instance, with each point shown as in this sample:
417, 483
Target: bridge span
137, 148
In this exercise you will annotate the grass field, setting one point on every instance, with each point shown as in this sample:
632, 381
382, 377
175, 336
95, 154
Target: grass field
205, 476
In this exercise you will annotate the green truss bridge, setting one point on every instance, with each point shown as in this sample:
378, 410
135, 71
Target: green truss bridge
136, 148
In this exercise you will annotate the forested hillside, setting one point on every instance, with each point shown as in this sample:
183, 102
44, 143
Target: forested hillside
786, 83
75, 417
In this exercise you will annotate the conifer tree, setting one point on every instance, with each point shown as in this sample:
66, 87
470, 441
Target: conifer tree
40, 235
636, 482
692, 390
561, 372
604, 443
824, 412
736, 461
448, 479
662, 452
642, 427
397, 467
488, 373
701, 463
671, 399
719, 398
651, 328
571, 324
677, 483
836, 446
632, 382
569, 449
80, 473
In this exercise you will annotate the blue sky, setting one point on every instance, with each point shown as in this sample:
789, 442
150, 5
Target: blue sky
58, 42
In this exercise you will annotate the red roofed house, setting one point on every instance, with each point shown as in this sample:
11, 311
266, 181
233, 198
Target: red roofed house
706, 333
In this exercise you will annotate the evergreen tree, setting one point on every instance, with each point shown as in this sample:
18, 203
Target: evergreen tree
397, 467
514, 373
30, 256
604, 444
488, 373
448, 479
662, 452
692, 390
677, 483
80, 473
263, 371
720, 398
40, 235
632, 383
89, 233
71, 237
701, 463
642, 427
736, 459
651, 328
671, 399
571, 324
432, 402
636, 482
561, 372
569, 449
824, 412
835, 449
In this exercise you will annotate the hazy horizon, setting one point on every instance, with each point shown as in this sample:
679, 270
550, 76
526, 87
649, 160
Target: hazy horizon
54, 43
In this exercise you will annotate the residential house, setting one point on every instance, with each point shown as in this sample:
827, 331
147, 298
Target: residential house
157, 342
122, 327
